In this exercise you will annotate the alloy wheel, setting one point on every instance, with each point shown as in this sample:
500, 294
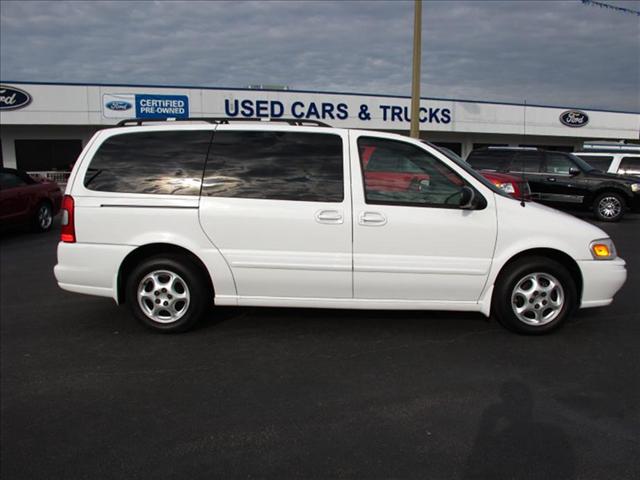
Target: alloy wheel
537, 298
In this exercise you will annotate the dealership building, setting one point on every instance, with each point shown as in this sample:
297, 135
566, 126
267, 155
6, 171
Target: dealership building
43, 126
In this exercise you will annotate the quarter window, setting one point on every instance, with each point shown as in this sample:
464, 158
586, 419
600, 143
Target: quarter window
629, 166
275, 166
599, 162
169, 162
398, 173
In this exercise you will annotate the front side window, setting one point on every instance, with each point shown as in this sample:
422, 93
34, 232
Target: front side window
275, 166
398, 173
629, 166
165, 162
558, 164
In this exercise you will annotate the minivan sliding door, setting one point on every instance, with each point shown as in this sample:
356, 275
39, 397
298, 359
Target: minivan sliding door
277, 205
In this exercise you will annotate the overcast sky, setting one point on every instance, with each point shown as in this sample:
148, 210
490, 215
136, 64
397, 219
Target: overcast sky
556, 53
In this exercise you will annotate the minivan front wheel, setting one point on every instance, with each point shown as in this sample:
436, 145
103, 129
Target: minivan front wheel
534, 295
168, 293
609, 207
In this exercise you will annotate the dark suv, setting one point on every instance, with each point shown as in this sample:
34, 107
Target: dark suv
563, 180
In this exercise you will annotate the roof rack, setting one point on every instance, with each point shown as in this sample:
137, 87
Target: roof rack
492, 147
611, 147
223, 120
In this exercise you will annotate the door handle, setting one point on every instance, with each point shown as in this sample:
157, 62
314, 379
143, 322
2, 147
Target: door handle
329, 216
372, 219
551, 179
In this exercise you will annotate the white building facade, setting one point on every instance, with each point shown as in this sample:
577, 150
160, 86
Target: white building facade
44, 126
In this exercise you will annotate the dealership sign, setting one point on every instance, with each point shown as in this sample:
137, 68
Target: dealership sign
12, 98
303, 109
145, 106
574, 118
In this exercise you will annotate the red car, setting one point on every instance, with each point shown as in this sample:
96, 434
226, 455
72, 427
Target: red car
399, 174
24, 199
514, 186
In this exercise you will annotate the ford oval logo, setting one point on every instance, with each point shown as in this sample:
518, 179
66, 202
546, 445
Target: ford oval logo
12, 98
118, 105
574, 118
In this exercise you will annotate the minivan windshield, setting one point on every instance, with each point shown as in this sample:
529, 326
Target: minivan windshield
467, 168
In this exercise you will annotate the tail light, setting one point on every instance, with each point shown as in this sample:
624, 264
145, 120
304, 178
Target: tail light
68, 233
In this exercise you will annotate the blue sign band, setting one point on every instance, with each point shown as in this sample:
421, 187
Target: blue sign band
162, 106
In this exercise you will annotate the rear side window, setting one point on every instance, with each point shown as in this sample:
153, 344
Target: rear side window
599, 162
168, 162
526, 162
629, 166
490, 159
275, 166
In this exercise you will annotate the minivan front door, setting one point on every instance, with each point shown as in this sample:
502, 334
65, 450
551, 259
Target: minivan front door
415, 243
277, 205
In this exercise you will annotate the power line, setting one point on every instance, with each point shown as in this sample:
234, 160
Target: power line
611, 7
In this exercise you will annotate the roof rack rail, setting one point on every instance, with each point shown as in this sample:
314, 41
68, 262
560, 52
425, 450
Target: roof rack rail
501, 147
611, 147
223, 120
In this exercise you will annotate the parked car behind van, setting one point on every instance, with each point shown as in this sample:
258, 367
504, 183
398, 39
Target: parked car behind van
173, 219
513, 185
563, 180
25, 200
620, 158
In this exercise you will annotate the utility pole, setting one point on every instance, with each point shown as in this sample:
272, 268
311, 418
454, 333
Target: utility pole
415, 81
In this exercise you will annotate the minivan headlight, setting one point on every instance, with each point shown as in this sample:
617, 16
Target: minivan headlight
635, 187
603, 249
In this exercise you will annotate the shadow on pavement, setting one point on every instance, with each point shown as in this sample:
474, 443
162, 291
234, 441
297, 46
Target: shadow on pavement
510, 444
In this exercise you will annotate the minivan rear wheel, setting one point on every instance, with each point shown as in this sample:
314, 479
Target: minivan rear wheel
534, 295
168, 293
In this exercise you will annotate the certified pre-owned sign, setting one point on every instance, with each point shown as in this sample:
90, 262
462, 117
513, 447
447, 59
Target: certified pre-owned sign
142, 105
574, 118
12, 98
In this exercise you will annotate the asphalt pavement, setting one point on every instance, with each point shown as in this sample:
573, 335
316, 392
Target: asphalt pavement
88, 393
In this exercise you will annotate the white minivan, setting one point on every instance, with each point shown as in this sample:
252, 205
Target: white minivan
175, 218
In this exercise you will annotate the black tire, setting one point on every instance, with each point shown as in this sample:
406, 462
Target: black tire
609, 207
186, 272
43, 219
542, 269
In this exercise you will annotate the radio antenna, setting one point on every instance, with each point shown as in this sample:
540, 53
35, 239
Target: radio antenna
524, 136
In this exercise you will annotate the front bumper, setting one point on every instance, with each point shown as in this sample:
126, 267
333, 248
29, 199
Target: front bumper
601, 281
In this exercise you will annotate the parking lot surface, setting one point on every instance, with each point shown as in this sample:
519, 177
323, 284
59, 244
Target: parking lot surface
86, 392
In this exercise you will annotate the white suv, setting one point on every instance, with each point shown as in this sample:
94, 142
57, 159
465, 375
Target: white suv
175, 218
620, 158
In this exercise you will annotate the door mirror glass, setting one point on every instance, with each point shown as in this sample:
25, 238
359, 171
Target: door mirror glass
573, 171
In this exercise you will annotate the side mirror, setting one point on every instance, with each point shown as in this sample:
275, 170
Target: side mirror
467, 198
573, 171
